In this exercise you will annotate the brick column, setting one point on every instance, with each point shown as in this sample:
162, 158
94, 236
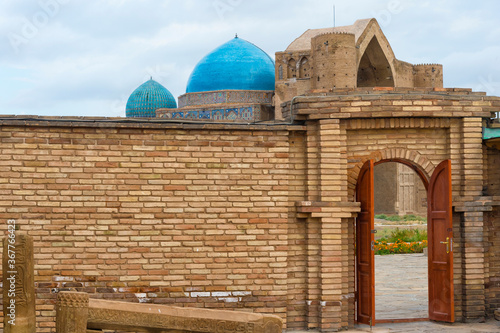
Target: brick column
472, 221
333, 161
331, 170
328, 233
333, 251
313, 160
329, 284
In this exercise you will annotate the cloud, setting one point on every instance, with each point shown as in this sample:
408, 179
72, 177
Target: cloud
476, 69
87, 57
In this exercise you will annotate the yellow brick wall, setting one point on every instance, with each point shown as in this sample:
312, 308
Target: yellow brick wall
183, 217
492, 230
421, 127
256, 218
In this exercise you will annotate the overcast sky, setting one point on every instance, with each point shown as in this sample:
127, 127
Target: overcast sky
84, 58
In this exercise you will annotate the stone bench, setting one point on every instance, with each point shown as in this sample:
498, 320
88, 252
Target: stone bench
77, 313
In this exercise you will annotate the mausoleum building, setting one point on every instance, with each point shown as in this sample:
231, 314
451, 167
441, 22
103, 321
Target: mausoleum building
256, 192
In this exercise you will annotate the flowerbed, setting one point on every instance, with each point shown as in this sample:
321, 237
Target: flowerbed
383, 247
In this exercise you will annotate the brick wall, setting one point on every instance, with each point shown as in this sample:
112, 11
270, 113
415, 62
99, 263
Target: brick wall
421, 127
492, 231
297, 236
254, 218
187, 217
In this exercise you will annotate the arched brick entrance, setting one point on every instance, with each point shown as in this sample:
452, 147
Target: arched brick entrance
440, 263
346, 129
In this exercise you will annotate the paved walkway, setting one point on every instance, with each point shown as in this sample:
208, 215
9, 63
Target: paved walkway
491, 326
401, 286
401, 292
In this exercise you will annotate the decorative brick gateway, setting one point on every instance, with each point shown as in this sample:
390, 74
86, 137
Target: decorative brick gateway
255, 217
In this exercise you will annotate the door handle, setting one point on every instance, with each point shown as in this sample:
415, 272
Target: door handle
448, 243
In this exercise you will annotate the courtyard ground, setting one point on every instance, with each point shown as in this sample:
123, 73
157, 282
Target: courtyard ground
401, 292
401, 286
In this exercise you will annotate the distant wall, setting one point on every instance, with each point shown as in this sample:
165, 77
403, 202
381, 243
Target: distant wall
385, 182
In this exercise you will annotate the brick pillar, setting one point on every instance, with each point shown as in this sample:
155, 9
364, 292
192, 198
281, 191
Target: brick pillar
330, 291
472, 222
313, 272
313, 160
331, 225
334, 256
333, 161
472, 158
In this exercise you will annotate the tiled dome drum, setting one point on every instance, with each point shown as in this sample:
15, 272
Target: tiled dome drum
150, 96
233, 83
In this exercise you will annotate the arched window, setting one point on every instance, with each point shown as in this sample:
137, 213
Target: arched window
374, 69
305, 68
292, 68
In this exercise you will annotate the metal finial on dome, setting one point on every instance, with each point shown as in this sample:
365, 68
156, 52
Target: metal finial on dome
236, 36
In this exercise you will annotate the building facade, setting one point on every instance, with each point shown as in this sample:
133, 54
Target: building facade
272, 216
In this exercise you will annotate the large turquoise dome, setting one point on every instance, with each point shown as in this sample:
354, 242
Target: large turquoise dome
235, 65
147, 98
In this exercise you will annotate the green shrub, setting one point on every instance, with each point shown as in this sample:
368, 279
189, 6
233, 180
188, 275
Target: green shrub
406, 235
412, 217
383, 233
397, 218
394, 218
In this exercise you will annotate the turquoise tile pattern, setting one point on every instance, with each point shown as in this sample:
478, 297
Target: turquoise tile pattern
235, 65
150, 96
226, 97
235, 114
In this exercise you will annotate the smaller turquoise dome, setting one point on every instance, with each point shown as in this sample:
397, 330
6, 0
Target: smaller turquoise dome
235, 65
150, 96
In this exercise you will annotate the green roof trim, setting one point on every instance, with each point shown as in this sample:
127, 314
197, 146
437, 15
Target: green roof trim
491, 133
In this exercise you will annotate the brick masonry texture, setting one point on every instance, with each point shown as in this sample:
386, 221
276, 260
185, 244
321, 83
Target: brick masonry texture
189, 217
254, 218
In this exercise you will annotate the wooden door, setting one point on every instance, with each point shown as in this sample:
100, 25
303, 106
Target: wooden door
406, 190
365, 259
440, 237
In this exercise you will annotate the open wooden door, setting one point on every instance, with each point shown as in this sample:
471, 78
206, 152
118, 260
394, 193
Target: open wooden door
440, 236
365, 259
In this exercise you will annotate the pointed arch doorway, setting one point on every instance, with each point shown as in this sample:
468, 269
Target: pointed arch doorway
440, 240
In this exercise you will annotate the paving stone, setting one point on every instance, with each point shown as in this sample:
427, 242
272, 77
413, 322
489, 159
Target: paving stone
401, 286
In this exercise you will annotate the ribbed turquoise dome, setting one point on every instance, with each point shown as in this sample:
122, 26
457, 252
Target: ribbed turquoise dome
235, 65
147, 98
